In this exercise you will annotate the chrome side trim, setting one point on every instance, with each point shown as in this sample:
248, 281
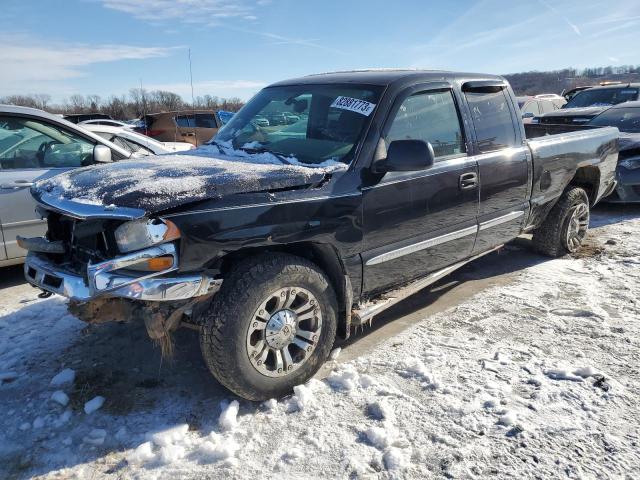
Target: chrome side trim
366, 313
416, 247
500, 220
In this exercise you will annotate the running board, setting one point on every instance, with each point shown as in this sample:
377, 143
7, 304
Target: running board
364, 314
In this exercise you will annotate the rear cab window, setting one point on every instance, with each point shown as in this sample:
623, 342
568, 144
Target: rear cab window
201, 120
492, 120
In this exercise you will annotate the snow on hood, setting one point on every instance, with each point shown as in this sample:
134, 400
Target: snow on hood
160, 182
628, 141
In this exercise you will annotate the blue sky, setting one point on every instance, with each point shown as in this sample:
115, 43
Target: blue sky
109, 46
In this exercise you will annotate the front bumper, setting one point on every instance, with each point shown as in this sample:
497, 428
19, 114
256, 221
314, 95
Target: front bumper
111, 278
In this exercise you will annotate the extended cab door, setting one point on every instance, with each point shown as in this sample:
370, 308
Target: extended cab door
504, 161
418, 222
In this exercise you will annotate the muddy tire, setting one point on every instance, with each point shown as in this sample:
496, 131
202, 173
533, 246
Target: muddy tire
271, 326
566, 225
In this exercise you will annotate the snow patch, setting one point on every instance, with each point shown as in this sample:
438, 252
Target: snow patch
217, 448
335, 353
93, 405
562, 374
95, 437
228, 419
168, 436
65, 377
143, 454
377, 437
60, 397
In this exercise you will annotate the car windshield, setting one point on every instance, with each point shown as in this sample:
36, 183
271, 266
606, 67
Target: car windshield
312, 123
598, 97
626, 119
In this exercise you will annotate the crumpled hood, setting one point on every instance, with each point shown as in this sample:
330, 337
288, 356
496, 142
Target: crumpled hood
628, 141
157, 183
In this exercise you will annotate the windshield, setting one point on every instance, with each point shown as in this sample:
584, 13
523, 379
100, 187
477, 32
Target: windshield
602, 97
313, 123
626, 119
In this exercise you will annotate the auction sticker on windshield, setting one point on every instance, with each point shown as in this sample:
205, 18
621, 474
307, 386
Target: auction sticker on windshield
354, 105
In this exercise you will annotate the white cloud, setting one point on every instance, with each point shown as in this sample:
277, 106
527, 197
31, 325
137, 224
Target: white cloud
30, 65
209, 12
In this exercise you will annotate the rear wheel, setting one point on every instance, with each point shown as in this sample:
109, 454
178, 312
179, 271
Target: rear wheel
566, 225
271, 326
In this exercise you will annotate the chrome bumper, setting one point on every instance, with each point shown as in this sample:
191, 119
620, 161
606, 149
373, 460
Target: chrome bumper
110, 278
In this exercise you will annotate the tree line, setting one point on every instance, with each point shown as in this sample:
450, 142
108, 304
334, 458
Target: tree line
139, 101
135, 104
532, 83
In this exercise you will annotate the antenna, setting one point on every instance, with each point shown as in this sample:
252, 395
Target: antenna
144, 109
193, 102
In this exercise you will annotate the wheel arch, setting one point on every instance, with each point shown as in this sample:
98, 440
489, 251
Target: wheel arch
587, 178
325, 256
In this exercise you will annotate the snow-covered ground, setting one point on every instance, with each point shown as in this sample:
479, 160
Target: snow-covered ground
534, 378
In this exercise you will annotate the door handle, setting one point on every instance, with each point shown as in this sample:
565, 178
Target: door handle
468, 181
188, 134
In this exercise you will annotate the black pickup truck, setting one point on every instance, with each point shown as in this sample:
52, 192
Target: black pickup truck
272, 240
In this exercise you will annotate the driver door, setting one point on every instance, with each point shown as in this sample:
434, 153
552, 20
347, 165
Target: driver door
31, 150
419, 222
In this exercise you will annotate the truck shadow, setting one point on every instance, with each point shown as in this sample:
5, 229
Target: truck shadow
451, 290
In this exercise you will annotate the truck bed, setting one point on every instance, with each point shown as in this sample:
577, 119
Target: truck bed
562, 152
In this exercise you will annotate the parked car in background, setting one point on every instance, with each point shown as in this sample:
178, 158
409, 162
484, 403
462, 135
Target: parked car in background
106, 121
552, 96
35, 145
195, 127
540, 104
400, 178
225, 116
572, 92
590, 102
626, 117
83, 117
261, 121
135, 142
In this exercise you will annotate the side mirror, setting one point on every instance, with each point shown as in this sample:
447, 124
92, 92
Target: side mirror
528, 115
408, 156
101, 154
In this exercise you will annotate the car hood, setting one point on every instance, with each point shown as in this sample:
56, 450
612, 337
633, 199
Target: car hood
576, 112
628, 141
156, 183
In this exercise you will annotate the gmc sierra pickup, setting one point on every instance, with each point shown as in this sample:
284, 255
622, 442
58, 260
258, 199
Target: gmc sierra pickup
271, 240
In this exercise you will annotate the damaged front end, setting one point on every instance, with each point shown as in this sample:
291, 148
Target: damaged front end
116, 269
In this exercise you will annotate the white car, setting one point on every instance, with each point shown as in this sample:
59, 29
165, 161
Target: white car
107, 122
134, 142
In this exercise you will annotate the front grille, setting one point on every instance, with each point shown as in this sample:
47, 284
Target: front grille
85, 241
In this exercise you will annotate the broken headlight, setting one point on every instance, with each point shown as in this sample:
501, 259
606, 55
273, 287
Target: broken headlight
139, 234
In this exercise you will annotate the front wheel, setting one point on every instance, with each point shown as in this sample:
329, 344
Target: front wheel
271, 326
566, 225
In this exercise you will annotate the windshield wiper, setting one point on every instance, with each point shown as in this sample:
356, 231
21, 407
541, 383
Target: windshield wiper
281, 156
218, 145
